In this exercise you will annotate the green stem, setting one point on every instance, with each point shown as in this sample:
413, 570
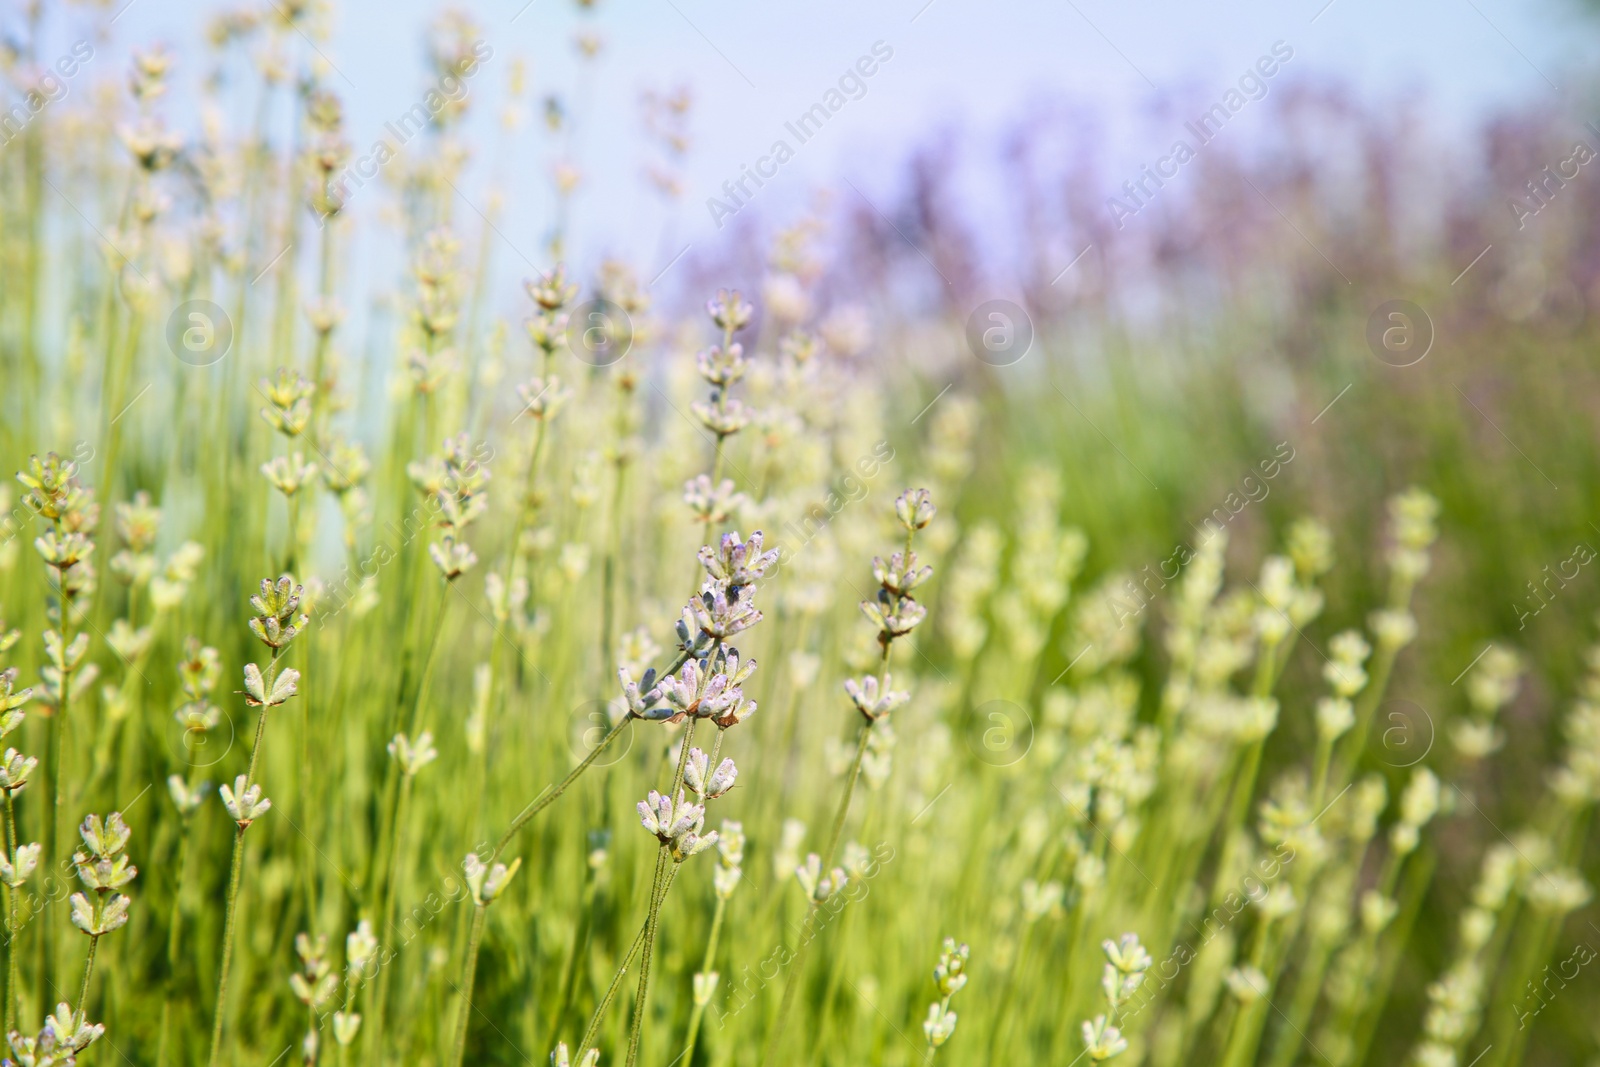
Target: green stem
1308, 988
88, 970
1319, 779
580, 941
227, 946
469, 972
665, 869
791, 984
174, 932
687, 1059
998, 1030
261, 720
592, 1032
380, 995
539, 803
231, 913
13, 971
53, 744
1351, 745
294, 533
427, 664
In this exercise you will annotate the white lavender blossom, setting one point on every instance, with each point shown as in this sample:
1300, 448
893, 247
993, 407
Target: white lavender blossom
486, 882
730, 858
914, 508
817, 886
412, 756
643, 698
1101, 1040
721, 366
712, 504
939, 1025
720, 612
704, 781
72, 1028
735, 563
871, 699
256, 693
244, 802
14, 870
562, 1058
15, 770
543, 398
677, 824
1347, 653
1126, 963
901, 574
278, 619
346, 1025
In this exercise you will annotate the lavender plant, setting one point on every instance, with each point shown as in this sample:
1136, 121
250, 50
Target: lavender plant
1252, 756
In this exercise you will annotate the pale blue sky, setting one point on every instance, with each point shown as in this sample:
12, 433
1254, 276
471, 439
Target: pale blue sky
961, 64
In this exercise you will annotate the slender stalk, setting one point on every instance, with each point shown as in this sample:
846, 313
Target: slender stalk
538, 804
998, 1030
469, 972
307, 794
791, 984
13, 971
88, 970
294, 534
687, 1059
590, 1034
543, 801
1306, 992
231, 912
1319, 778
380, 995
53, 744
665, 870
427, 664
528, 509
229, 917
580, 941
174, 933
319, 402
